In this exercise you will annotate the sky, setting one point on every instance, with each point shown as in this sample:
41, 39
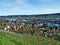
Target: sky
29, 7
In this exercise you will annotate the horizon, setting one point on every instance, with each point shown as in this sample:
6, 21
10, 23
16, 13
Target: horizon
30, 14
28, 7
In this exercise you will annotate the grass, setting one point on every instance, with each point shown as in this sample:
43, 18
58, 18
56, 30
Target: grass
58, 34
10, 38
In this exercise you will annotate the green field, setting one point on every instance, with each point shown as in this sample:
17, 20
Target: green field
10, 38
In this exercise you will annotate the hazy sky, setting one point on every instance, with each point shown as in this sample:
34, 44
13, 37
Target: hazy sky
10, 7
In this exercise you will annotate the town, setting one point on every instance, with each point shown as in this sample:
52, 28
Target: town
48, 27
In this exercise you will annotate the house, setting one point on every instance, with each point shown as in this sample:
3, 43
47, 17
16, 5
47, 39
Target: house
7, 27
45, 32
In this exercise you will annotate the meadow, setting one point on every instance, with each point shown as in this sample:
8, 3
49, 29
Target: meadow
10, 38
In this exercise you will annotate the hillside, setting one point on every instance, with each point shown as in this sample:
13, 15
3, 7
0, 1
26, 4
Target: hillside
53, 15
10, 38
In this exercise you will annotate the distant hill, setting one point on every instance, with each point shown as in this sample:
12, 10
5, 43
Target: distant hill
54, 15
